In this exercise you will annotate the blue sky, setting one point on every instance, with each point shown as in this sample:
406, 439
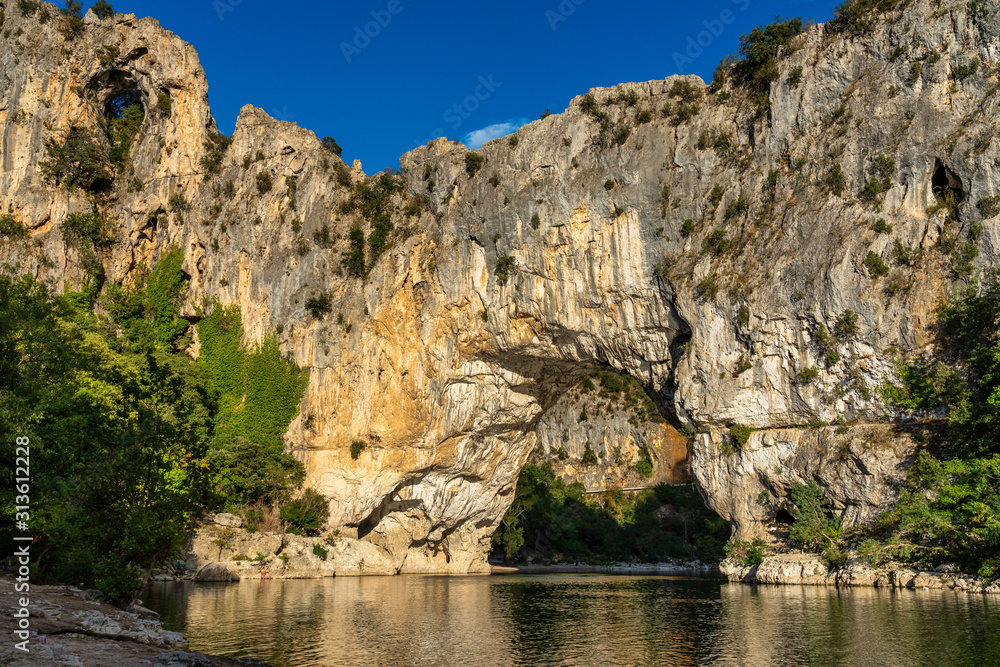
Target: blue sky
384, 76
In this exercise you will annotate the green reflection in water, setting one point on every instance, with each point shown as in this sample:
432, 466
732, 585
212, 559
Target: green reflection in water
578, 620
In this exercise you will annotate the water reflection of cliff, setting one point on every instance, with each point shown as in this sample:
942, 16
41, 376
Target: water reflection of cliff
577, 620
820, 625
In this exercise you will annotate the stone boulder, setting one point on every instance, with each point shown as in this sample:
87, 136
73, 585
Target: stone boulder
214, 572
225, 519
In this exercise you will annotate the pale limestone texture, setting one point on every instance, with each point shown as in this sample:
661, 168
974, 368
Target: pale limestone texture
809, 569
457, 375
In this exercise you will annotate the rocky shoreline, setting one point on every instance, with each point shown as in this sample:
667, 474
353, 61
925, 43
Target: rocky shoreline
811, 570
689, 569
69, 626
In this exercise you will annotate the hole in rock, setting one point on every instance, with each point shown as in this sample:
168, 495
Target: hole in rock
783, 517
945, 179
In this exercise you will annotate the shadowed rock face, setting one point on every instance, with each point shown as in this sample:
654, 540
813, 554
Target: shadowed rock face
859, 468
452, 370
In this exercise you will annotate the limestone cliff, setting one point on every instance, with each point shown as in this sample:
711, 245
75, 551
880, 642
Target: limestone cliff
704, 255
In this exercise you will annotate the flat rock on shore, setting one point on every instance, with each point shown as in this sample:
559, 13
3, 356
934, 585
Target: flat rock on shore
70, 629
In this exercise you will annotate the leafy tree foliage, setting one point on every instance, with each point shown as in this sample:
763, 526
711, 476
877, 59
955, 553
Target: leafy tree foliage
552, 519
11, 228
103, 9
122, 131
759, 50
305, 514
859, 16
815, 527
330, 144
117, 441
949, 509
130, 440
215, 150
258, 394
78, 161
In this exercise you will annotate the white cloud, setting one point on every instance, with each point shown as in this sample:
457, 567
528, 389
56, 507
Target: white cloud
477, 138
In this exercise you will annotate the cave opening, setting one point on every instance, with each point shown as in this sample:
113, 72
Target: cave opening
119, 102
122, 105
946, 184
783, 517
125, 113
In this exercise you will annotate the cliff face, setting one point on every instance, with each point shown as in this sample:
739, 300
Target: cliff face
453, 371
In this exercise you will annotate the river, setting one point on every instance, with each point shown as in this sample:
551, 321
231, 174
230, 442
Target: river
579, 620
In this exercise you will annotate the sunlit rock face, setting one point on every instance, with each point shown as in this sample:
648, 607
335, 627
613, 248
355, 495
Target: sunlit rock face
453, 373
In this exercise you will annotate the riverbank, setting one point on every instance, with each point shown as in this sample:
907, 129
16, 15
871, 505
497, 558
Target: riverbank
811, 570
692, 569
68, 626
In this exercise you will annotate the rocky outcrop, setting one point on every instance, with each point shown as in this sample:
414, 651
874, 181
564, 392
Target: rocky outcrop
231, 554
859, 467
619, 435
698, 255
808, 569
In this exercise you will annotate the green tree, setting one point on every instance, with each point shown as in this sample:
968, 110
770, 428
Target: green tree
103, 9
330, 144
117, 441
258, 394
759, 51
122, 131
306, 514
815, 527
78, 161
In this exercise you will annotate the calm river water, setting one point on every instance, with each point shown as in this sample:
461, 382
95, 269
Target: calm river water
578, 620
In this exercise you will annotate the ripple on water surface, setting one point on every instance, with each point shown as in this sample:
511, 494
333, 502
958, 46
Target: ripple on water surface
577, 620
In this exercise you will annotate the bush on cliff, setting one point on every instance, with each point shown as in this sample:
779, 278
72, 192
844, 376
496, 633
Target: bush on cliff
305, 514
815, 527
746, 552
759, 51
258, 394
103, 9
859, 16
77, 161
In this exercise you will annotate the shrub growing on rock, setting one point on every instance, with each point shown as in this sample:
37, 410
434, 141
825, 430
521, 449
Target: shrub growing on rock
876, 267
815, 526
11, 228
759, 51
330, 144
746, 552
473, 163
78, 161
505, 269
103, 9
740, 434
264, 182
305, 514
319, 306
357, 447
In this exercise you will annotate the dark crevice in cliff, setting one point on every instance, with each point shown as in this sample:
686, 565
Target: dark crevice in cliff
945, 178
664, 398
